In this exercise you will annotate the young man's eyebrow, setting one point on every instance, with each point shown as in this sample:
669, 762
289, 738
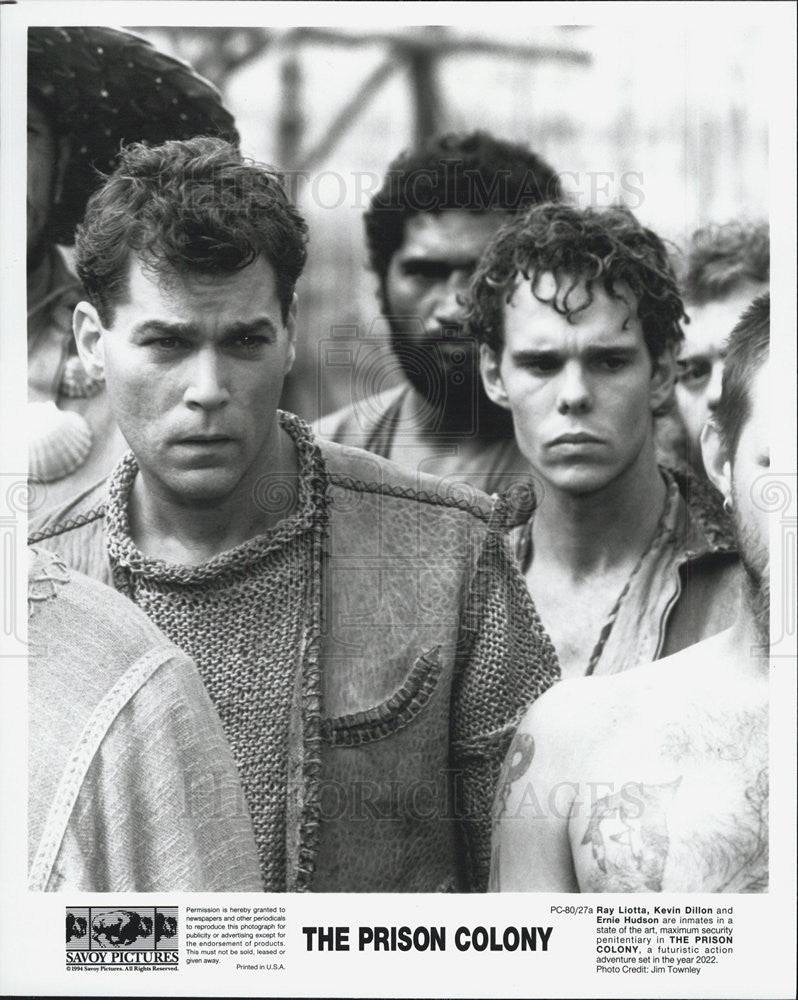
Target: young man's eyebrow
527, 355
262, 325
617, 350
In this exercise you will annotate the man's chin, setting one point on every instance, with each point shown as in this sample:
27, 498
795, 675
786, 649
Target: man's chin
202, 487
575, 478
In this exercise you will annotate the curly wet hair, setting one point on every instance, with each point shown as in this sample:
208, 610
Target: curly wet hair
474, 172
721, 258
187, 207
592, 245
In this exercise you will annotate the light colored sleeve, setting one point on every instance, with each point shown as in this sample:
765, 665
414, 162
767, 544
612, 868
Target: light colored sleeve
161, 806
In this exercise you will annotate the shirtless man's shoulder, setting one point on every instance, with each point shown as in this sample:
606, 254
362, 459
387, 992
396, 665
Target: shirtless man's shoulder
650, 780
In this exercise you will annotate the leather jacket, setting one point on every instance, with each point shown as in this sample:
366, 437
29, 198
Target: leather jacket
428, 652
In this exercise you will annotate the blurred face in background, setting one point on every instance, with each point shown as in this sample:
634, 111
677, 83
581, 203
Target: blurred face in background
424, 286
700, 363
42, 172
739, 478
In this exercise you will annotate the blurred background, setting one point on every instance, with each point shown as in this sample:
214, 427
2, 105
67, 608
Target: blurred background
671, 122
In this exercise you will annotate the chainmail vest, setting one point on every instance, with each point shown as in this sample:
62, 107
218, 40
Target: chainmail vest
246, 617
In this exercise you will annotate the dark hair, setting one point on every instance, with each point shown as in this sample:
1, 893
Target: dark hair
474, 172
720, 258
607, 245
192, 206
746, 350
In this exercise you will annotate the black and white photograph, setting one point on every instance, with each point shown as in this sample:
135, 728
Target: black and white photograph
395, 575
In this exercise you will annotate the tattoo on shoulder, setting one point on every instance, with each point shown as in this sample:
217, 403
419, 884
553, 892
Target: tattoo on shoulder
631, 844
516, 764
628, 835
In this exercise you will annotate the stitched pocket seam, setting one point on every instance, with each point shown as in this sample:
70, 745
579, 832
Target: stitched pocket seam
391, 715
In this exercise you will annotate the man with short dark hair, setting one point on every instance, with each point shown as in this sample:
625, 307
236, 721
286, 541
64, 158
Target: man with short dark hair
657, 780
89, 89
579, 316
727, 267
363, 633
426, 229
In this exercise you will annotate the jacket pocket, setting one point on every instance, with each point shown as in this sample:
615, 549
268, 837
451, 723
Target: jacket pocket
391, 715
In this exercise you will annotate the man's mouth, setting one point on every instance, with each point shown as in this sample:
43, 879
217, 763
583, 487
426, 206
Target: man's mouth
580, 437
204, 439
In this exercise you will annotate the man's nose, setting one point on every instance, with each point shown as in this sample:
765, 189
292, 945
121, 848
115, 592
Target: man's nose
207, 387
574, 393
448, 309
714, 385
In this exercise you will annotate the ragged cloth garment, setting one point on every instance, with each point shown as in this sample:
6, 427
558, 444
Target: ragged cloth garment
684, 589
370, 657
131, 783
380, 424
245, 618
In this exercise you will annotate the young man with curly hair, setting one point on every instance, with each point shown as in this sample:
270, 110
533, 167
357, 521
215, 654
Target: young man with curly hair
656, 780
426, 229
578, 315
362, 632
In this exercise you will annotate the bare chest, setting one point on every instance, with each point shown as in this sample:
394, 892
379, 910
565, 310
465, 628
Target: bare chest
574, 613
694, 821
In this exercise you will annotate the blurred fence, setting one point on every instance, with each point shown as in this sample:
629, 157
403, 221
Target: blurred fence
672, 123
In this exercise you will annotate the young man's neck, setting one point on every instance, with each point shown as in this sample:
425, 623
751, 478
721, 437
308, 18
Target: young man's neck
596, 531
185, 532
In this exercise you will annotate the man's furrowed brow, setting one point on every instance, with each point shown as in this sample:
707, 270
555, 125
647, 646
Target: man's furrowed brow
164, 328
261, 325
620, 349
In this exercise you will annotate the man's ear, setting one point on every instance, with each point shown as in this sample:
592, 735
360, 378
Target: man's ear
290, 329
88, 332
716, 463
663, 380
491, 376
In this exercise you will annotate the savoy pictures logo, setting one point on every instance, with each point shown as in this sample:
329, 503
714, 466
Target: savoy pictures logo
144, 937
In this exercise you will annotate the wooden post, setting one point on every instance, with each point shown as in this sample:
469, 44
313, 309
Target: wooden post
425, 93
291, 121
